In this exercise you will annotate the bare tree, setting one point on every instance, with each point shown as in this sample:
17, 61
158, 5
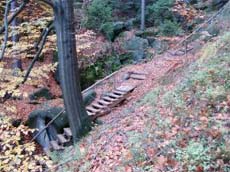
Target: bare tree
17, 65
142, 14
69, 73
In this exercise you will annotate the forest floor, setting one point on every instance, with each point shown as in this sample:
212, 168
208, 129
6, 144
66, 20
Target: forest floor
147, 133
176, 120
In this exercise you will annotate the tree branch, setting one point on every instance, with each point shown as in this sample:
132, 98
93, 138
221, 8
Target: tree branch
42, 43
6, 29
36, 46
47, 125
20, 8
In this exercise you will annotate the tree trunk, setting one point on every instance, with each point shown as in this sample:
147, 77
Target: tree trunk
68, 68
14, 22
142, 14
17, 64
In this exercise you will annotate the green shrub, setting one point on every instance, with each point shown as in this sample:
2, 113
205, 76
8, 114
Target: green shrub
108, 30
160, 11
169, 28
98, 13
160, 14
195, 154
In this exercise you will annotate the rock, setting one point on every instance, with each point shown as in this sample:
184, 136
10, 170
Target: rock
16, 122
130, 23
130, 47
112, 29
213, 29
138, 55
192, 1
136, 46
201, 5
47, 114
41, 92
43, 138
216, 4
151, 39
160, 45
136, 43
205, 36
38, 120
89, 97
118, 27
148, 32
126, 76
210, 5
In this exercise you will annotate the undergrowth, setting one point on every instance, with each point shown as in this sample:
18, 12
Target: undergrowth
186, 128
199, 106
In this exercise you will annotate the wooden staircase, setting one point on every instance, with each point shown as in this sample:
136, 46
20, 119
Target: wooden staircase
97, 109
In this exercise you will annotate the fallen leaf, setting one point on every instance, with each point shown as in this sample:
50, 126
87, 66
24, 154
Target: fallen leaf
128, 169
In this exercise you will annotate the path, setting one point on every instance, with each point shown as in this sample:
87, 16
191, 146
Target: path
107, 145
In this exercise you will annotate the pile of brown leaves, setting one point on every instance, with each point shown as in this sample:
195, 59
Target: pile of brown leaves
17, 153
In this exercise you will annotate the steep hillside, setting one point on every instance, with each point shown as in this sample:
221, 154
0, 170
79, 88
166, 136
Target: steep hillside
182, 124
176, 119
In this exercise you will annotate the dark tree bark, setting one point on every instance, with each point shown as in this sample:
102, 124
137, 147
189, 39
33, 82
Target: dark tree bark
69, 73
17, 64
15, 21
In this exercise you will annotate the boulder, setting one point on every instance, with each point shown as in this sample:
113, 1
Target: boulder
136, 46
89, 96
159, 45
130, 23
216, 4
130, 47
118, 27
48, 113
38, 119
41, 93
136, 43
210, 5
138, 55
214, 29
113, 29
151, 39
148, 32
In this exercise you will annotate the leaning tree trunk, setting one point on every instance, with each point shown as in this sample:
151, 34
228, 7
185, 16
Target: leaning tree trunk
68, 67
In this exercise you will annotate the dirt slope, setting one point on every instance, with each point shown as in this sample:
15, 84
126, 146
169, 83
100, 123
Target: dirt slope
107, 146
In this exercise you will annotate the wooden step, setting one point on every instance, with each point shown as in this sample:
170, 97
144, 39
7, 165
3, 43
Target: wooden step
125, 89
103, 102
68, 133
109, 99
138, 77
90, 113
97, 105
112, 95
119, 92
96, 109
54, 146
139, 73
92, 109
